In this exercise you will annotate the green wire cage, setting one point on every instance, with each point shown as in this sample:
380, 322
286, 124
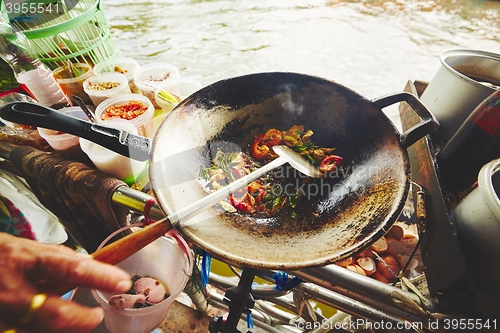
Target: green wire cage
62, 30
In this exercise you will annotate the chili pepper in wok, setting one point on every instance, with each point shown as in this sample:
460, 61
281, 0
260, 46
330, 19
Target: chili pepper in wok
259, 149
243, 204
330, 163
299, 140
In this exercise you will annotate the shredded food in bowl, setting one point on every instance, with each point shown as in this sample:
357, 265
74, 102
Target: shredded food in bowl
103, 86
128, 111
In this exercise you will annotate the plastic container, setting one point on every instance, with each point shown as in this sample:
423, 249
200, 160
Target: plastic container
166, 101
183, 87
73, 85
126, 66
155, 75
41, 85
144, 122
111, 163
65, 144
175, 91
98, 89
162, 259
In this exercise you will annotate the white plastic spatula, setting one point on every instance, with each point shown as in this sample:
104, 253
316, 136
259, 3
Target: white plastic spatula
128, 245
286, 155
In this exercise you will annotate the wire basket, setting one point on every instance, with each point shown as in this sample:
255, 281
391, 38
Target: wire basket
62, 30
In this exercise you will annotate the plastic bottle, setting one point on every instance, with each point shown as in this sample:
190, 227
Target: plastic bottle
33, 76
476, 143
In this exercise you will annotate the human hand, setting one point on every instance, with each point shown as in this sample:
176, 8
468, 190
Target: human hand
28, 268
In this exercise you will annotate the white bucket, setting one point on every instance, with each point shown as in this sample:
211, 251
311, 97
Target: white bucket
168, 259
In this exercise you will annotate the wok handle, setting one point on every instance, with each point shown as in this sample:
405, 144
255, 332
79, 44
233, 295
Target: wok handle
126, 246
121, 142
428, 124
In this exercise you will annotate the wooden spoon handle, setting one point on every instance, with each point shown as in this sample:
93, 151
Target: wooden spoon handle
130, 244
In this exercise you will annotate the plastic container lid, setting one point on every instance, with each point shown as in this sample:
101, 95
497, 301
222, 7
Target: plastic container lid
143, 123
98, 96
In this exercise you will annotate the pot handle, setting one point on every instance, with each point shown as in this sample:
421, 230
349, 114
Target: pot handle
428, 124
121, 142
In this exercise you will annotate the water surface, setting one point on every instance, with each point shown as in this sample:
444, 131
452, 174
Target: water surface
373, 47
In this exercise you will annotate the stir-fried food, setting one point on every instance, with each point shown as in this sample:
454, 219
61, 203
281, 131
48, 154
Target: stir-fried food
300, 141
276, 190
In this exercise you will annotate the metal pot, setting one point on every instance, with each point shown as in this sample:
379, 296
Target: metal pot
465, 79
351, 215
478, 223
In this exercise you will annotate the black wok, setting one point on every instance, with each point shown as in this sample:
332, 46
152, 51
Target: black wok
356, 209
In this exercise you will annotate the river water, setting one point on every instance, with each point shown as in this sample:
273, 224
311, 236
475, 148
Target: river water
373, 46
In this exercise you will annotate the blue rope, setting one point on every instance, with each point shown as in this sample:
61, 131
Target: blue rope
283, 283
249, 320
206, 263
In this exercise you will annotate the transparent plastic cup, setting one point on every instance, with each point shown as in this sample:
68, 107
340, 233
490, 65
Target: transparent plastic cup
73, 85
164, 259
125, 66
99, 87
42, 85
144, 122
111, 163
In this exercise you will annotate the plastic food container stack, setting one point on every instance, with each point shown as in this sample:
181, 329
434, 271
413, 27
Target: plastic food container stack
125, 66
